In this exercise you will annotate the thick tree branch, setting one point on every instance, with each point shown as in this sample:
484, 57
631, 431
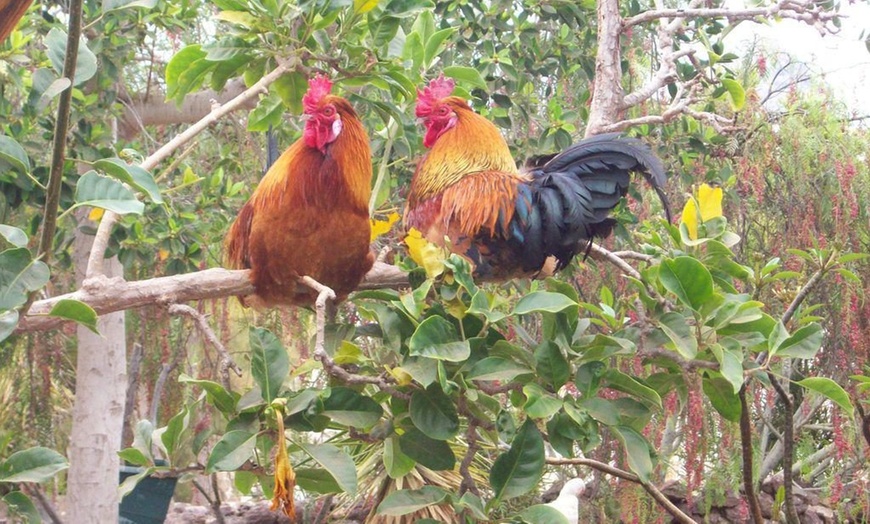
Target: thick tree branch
809, 12
107, 295
746, 448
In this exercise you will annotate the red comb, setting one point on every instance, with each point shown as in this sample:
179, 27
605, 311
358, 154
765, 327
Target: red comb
318, 87
437, 89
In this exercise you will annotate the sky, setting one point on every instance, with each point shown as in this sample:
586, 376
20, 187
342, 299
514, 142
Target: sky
842, 58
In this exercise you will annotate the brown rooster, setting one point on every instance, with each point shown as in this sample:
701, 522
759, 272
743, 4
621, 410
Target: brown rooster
510, 223
309, 215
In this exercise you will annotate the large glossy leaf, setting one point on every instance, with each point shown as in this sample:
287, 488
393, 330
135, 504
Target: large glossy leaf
468, 75
407, 501
830, 389
351, 408
722, 396
77, 312
519, 470
12, 152
497, 368
637, 450
619, 381
231, 451
396, 463
32, 465
317, 480
539, 402
551, 365
543, 301
434, 454
434, 414
336, 462
269, 362
676, 328
736, 93
185, 72
132, 175
804, 343
112, 5
688, 279
86, 62
19, 275
436, 338
96, 190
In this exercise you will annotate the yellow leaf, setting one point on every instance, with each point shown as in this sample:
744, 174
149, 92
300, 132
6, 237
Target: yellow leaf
456, 307
162, 254
381, 227
426, 254
403, 378
96, 214
285, 477
364, 6
690, 218
710, 202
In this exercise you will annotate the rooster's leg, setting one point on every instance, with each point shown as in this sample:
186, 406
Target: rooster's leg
324, 293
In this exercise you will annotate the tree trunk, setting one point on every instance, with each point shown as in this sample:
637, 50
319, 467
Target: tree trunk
98, 413
607, 87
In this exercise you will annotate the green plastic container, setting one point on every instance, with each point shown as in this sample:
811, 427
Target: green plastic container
148, 503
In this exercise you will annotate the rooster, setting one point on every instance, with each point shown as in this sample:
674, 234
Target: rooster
309, 215
508, 222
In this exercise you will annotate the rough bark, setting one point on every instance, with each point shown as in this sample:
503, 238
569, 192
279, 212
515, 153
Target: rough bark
607, 90
98, 413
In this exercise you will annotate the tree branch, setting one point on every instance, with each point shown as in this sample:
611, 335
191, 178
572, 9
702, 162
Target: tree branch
199, 320
746, 448
656, 494
106, 295
808, 12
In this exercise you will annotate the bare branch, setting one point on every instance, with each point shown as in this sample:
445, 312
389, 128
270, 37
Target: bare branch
205, 330
808, 12
656, 494
106, 295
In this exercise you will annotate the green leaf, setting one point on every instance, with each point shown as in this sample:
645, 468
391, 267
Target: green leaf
351, 408
830, 389
735, 93
77, 312
171, 436
231, 451
134, 456
215, 394
19, 275
36, 464
20, 504
519, 470
13, 235
804, 343
497, 368
730, 364
688, 279
468, 75
539, 402
601, 410
543, 514
112, 5
8, 322
396, 462
86, 61
543, 301
96, 190
637, 451
433, 454
132, 481
434, 414
14, 154
435, 44
722, 396
317, 480
185, 71
268, 112
269, 362
619, 381
131, 174
436, 338
551, 364
291, 88
407, 501
676, 328
336, 462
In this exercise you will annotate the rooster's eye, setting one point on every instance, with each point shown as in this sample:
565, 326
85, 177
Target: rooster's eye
442, 111
328, 111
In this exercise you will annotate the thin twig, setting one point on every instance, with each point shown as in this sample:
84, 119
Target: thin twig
216, 505
36, 491
804, 292
468, 483
654, 492
227, 362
